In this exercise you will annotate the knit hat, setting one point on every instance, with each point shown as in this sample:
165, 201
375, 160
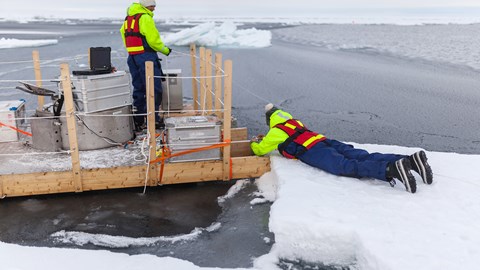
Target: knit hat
147, 3
268, 107
269, 110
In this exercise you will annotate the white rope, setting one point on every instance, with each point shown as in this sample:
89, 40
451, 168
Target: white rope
253, 94
80, 56
185, 111
197, 77
21, 80
16, 62
36, 118
38, 153
197, 143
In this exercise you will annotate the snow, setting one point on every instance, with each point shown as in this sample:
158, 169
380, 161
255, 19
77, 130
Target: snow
102, 240
319, 217
7, 43
224, 35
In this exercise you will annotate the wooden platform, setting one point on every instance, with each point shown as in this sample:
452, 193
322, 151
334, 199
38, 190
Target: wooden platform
243, 166
237, 160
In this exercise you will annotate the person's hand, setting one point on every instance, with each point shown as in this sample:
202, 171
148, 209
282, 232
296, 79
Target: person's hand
257, 139
169, 51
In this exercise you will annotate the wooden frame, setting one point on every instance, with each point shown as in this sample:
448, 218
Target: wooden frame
237, 159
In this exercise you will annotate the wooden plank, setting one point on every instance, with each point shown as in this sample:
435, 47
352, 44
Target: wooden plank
241, 149
249, 167
38, 77
239, 134
193, 60
2, 195
126, 177
152, 172
37, 183
71, 125
227, 118
208, 80
202, 80
218, 85
188, 172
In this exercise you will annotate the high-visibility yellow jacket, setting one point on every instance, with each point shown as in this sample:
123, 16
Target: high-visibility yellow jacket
147, 28
276, 136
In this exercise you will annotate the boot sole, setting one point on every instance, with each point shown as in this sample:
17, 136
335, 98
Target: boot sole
420, 159
403, 167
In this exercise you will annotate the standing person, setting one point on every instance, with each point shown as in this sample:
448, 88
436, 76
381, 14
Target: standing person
294, 140
142, 41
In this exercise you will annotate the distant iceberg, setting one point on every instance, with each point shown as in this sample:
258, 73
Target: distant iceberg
224, 35
8, 43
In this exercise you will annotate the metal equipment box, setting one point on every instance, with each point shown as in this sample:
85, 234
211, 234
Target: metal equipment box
11, 114
94, 93
46, 131
190, 132
172, 94
101, 129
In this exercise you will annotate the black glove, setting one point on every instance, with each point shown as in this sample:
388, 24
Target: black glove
169, 51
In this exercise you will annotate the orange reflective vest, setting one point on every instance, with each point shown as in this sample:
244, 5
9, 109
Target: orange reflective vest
299, 134
133, 38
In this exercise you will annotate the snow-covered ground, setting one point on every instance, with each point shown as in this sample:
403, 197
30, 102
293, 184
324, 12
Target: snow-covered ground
6, 43
319, 217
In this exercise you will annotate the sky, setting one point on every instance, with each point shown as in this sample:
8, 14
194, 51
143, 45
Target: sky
208, 8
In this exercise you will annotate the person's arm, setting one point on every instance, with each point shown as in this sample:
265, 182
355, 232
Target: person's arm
149, 30
269, 143
122, 32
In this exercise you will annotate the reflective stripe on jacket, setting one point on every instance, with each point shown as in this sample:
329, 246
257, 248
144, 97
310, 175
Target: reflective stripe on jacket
275, 135
133, 38
297, 133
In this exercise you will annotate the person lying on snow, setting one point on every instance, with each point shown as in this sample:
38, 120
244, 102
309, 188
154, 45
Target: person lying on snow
294, 140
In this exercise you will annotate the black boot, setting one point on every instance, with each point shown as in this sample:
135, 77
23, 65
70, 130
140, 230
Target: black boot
400, 170
139, 127
421, 166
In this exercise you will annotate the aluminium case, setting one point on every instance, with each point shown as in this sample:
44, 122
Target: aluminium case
190, 132
172, 91
94, 93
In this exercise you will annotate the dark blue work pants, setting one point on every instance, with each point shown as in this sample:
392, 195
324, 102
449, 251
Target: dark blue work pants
136, 64
343, 159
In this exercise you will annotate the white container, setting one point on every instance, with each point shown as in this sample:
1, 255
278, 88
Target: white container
11, 114
190, 132
94, 93
172, 92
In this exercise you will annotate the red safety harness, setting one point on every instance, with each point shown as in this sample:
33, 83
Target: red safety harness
299, 134
133, 38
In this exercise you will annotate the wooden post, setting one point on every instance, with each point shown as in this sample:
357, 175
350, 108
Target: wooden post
202, 79
71, 125
193, 55
38, 77
2, 195
227, 119
208, 80
218, 85
150, 96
